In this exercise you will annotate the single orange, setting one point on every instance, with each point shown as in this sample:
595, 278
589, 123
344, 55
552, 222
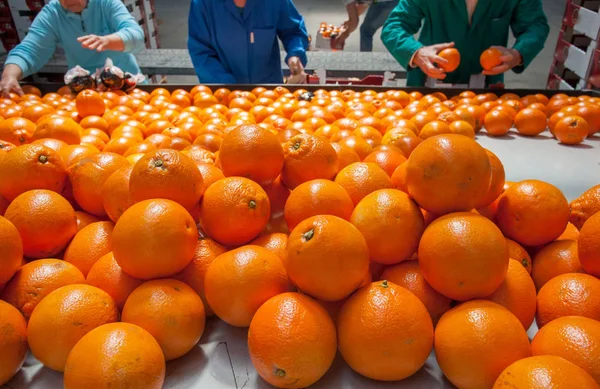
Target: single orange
490, 58
13, 341
452, 56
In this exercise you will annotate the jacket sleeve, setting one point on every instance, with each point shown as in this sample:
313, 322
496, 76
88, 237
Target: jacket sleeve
38, 46
292, 32
204, 57
399, 30
530, 27
125, 26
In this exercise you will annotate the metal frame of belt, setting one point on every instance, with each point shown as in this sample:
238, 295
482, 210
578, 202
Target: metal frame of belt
476, 81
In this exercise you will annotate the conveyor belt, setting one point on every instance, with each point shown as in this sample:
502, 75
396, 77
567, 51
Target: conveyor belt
177, 62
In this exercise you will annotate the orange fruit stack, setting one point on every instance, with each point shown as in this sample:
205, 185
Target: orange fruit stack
370, 222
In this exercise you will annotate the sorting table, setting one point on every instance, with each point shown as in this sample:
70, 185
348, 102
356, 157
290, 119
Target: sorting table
221, 360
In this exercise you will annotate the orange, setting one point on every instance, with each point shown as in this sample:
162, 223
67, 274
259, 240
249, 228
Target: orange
275, 242
239, 281
59, 127
234, 211
490, 58
448, 173
391, 223
199, 155
278, 195
116, 355
108, 276
358, 144
544, 371
72, 154
17, 130
291, 341
589, 247
120, 145
532, 212
530, 122
399, 178
586, 205
84, 219
193, 274
90, 103
571, 294
166, 174
393, 337
212, 142
116, 197
571, 232
571, 130
556, 258
13, 342
11, 250
462, 128
574, 338
89, 245
30, 167
210, 174
518, 253
476, 341
327, 257
94, 122
37, 111
252, 152
88, 177
51, 143
306, 158
346, 155
317, 197
362, 178
517, 293
45, 221
452, 56
170, 311
35, 280
497, 182
434, 128
407, 274
591, 114
67, 321
463, 256
154, 238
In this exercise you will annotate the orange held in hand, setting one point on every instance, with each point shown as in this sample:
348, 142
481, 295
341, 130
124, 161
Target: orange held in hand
490, 58
452, 56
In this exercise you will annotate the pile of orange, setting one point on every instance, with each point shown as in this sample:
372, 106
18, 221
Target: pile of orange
369, 223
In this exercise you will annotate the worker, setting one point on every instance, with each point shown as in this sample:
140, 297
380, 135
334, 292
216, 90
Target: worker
377, 14
90, 31
471, 26
235, 41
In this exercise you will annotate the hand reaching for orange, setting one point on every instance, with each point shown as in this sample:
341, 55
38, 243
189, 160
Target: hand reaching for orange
427, 58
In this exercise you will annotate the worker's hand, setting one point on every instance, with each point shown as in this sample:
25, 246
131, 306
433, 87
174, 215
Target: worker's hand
10, 83
510, 59
297, 74
426, 58
102, 43
94, 42
595, 80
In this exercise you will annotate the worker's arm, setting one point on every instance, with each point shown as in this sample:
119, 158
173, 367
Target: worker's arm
35, 50
530, 27
125, 27
292, 32
399, 30
204, 57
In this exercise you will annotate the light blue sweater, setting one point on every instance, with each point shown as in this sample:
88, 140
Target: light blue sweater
56, 26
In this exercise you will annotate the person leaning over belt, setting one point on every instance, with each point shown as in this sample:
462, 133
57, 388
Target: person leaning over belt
235, 41
472, 26
90, 31
377, 14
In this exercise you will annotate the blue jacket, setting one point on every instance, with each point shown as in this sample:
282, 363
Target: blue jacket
56, 26
228, 45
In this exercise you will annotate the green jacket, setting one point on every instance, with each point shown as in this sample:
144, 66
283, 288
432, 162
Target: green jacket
448, 21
